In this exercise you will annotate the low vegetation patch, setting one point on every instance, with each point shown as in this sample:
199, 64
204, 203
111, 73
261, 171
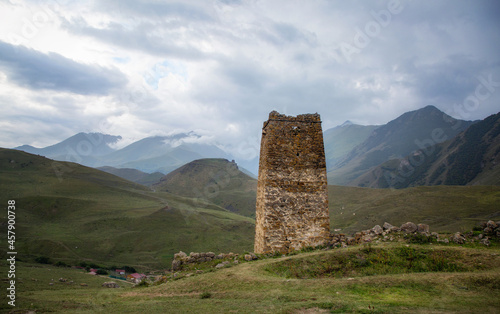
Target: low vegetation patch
369, 261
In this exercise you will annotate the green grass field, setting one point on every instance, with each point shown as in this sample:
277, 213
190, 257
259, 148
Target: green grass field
454, 280
443, 208
72, 213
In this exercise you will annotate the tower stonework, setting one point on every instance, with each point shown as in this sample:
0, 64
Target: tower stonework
292, 192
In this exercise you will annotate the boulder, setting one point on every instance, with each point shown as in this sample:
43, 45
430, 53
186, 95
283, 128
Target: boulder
110, 284
423, 228
435, 235
488, 230
458, 238
180, 256
409, 227
377, 230
195, 256
367, 238
350, 241
176, 264
485, 241
491, 224
387, 226
222, 265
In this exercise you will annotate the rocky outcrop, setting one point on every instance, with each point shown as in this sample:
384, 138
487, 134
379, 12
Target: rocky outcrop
378, 233
182, 258
110, 284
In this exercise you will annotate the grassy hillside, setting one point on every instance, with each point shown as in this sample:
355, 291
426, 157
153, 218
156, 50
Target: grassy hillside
443, 208
215, 180
73, 213
382, 278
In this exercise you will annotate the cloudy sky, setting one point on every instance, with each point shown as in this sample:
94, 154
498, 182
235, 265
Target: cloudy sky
142, 68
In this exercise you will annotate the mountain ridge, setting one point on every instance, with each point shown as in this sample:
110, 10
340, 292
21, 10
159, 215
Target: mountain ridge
396, 139
352, 151
470, 158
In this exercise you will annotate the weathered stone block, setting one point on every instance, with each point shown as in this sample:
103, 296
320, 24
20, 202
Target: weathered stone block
409, 227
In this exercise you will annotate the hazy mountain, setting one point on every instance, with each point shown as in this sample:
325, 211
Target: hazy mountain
163, 153
134, 175
83, 148
340, 140
151, 154
216, 180
396, 139
470, 158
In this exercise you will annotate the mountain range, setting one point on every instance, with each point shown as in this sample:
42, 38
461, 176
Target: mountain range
471, 158
152, 154
356, 155
396, 139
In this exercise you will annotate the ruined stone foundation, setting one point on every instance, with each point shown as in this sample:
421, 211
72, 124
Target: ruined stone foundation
292, 193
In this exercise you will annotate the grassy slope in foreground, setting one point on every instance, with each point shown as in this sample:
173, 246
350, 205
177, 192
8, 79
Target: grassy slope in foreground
74, 213
256, 287
443, 208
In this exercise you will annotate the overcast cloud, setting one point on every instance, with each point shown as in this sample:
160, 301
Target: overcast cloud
142, 68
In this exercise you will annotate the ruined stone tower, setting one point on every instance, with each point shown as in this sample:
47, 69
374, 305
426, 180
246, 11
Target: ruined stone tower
292, 196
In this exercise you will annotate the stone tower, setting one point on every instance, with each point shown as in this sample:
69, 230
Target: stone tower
292, 192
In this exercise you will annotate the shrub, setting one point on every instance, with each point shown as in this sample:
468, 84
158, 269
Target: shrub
418, 238
129, 269
43, 260
143, 283
205, 295
61, 264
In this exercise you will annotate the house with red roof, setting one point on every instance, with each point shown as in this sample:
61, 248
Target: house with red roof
136, 277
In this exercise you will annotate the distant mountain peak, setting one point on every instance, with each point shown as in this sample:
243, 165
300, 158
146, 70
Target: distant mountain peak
346, 123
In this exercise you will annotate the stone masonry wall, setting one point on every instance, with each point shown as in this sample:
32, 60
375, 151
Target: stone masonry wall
292, 196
